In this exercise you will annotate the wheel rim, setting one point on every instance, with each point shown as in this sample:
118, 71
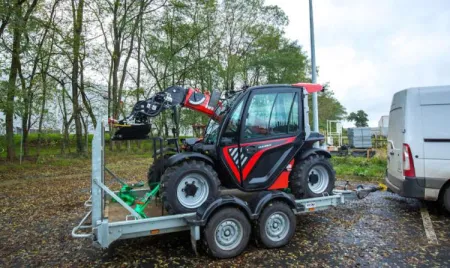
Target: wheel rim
193, 190
228, 234
318, 179
277, 226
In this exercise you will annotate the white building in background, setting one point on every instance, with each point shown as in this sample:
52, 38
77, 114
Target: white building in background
17, 124
52, 120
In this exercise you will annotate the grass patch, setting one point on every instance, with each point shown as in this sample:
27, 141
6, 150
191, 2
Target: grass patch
51, 145
358, 168
51, 159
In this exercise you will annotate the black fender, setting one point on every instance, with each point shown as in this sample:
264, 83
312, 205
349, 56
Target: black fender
168, 150
177, 158
304, 154
205, 211
259, 202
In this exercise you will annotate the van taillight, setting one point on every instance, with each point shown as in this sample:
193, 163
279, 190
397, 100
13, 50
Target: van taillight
408, 163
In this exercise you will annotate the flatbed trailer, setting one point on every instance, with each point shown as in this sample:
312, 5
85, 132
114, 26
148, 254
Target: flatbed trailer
109, 218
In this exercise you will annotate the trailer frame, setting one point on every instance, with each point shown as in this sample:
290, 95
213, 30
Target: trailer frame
103, 232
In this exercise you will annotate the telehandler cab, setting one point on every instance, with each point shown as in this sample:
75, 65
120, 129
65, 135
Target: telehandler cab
257, 139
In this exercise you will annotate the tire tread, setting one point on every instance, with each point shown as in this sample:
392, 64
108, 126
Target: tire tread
298, 180
170, 175
258, 229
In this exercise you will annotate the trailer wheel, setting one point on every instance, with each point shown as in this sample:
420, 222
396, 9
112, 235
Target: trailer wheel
276, 225
313, 176
227, 233
186, 186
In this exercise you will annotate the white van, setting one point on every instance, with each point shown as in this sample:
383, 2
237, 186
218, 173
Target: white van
419, 144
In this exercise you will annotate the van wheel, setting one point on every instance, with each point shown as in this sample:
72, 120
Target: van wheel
313, 176
446, 199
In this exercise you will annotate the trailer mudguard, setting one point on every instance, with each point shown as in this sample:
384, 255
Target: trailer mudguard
310, 151
177, 158
259, 202
205, 211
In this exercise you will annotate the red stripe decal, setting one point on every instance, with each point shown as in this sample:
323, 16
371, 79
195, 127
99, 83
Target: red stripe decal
230, 162
252, 161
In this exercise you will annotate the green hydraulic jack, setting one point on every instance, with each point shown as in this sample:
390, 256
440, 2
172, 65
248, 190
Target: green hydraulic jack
127, 195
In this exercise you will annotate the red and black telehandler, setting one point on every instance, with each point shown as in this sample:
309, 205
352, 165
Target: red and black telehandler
257, 139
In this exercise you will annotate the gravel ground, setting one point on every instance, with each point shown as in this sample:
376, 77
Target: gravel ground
39, 211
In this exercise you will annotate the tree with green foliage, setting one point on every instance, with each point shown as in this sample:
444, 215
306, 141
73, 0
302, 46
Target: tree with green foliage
360, 118
18, 15
329, 108
80, 60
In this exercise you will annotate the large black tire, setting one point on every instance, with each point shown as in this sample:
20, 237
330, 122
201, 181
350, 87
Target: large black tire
446, 198
276, 225
201, 175
156, 169
227, 233
300, 178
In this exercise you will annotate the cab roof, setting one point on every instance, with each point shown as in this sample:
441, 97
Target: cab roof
309, 87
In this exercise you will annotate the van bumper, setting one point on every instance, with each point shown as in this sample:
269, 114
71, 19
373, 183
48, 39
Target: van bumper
411, 187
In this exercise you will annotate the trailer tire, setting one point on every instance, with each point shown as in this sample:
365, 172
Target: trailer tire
200, 181
276, 225
313, 176
227, 233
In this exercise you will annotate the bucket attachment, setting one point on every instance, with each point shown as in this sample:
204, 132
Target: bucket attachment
131, 132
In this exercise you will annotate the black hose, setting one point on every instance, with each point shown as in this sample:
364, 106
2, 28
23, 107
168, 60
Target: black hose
155, 113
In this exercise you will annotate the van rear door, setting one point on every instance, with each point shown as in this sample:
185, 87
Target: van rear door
396, 138
435, 107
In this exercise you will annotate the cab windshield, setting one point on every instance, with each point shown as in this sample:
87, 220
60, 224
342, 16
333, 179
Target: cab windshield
212, 130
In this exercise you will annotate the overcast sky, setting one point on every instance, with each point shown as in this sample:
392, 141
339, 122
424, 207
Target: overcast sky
370, 49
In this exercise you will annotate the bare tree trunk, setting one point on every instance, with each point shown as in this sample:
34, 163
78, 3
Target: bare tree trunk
41, 116
77, 13
9, 111
111, 130
116, 60
138, 79
25, 113
66, 123
86, 131
86, 102
44, 70
67, 137
63, 148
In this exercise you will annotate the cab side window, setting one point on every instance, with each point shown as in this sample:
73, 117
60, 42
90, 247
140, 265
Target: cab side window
272, 114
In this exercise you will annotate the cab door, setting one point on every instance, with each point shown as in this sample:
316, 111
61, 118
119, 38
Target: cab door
228, 146
270, 135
